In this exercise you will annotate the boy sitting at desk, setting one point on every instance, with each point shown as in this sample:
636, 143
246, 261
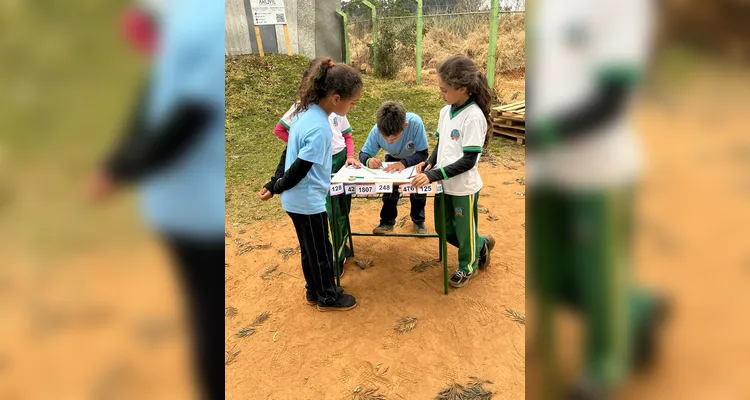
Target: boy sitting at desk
402, 136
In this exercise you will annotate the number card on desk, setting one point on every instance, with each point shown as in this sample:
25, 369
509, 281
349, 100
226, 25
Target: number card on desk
425, 189
365, 189
384, 188
337, 189
408, 189
350, 189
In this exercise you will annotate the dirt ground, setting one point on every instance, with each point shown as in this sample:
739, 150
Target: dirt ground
692, 224
693, 245
106, 325
301, 353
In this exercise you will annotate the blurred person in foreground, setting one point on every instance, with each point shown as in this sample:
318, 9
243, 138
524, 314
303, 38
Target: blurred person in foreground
174, 150
586, 60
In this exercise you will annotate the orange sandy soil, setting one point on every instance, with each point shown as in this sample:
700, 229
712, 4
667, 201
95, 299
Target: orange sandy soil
319, 355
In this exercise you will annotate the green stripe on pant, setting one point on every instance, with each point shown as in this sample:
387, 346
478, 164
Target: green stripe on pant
338, 162
461, 217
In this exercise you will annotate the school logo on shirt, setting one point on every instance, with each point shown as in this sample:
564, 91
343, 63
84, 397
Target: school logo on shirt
454, 134
576, 34
410, 146
459, 212
335, 121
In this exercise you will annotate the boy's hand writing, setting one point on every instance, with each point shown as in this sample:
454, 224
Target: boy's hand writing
374, 163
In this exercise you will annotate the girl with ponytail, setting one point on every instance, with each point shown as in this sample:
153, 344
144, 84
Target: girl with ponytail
327, 89
462, 134
342, 143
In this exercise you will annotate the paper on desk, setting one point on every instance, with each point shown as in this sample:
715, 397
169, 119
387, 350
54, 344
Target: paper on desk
363, 174
380, 173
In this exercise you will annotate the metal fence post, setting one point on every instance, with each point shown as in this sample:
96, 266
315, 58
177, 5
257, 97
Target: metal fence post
491, 53
419, 42
374, 34
347, 58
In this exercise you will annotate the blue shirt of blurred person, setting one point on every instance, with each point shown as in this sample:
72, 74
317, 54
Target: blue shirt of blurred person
186, 198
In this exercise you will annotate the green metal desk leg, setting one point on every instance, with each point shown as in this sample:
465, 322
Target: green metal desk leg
439, 199
348, 224
444, 243
334, 239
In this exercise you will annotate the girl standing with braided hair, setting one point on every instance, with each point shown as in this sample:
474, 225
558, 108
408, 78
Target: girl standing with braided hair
462, 134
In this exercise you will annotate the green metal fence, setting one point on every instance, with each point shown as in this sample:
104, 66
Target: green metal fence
402, 38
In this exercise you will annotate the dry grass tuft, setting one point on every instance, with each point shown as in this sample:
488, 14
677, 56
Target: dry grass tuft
404, 325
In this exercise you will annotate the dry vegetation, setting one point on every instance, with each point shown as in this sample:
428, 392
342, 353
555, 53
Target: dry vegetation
444, 38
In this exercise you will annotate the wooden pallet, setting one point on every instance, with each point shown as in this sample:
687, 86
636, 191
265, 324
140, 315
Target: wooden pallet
517, 110
509, 124
510, 121
518, 135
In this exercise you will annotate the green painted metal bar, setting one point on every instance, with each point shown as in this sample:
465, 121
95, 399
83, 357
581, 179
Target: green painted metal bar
348, 228
491, 58
374, 34
444, 242
411, 235
344, 24
440, 250
420, 22
334, 236
440, 242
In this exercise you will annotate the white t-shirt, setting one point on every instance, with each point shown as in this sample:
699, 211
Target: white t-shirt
572, 44
464, 130
339, 127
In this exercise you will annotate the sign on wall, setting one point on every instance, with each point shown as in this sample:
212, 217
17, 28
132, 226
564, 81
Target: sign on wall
268, 12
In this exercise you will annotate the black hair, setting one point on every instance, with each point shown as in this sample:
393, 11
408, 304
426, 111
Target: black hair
324, 78
391, 118
460, 72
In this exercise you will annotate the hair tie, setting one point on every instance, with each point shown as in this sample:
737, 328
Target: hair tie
330, 63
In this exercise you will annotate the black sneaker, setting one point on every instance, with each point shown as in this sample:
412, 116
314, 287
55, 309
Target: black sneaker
484, 255
348, 253
312, 299
461, 278
585, 390
420, 229
345, 302
646, 341
382, 229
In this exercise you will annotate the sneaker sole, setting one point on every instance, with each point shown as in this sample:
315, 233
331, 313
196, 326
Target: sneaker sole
490, 245
326, 309
381, 232
460, 285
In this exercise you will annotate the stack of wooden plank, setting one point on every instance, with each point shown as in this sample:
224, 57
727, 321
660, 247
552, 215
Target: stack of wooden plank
510, 121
